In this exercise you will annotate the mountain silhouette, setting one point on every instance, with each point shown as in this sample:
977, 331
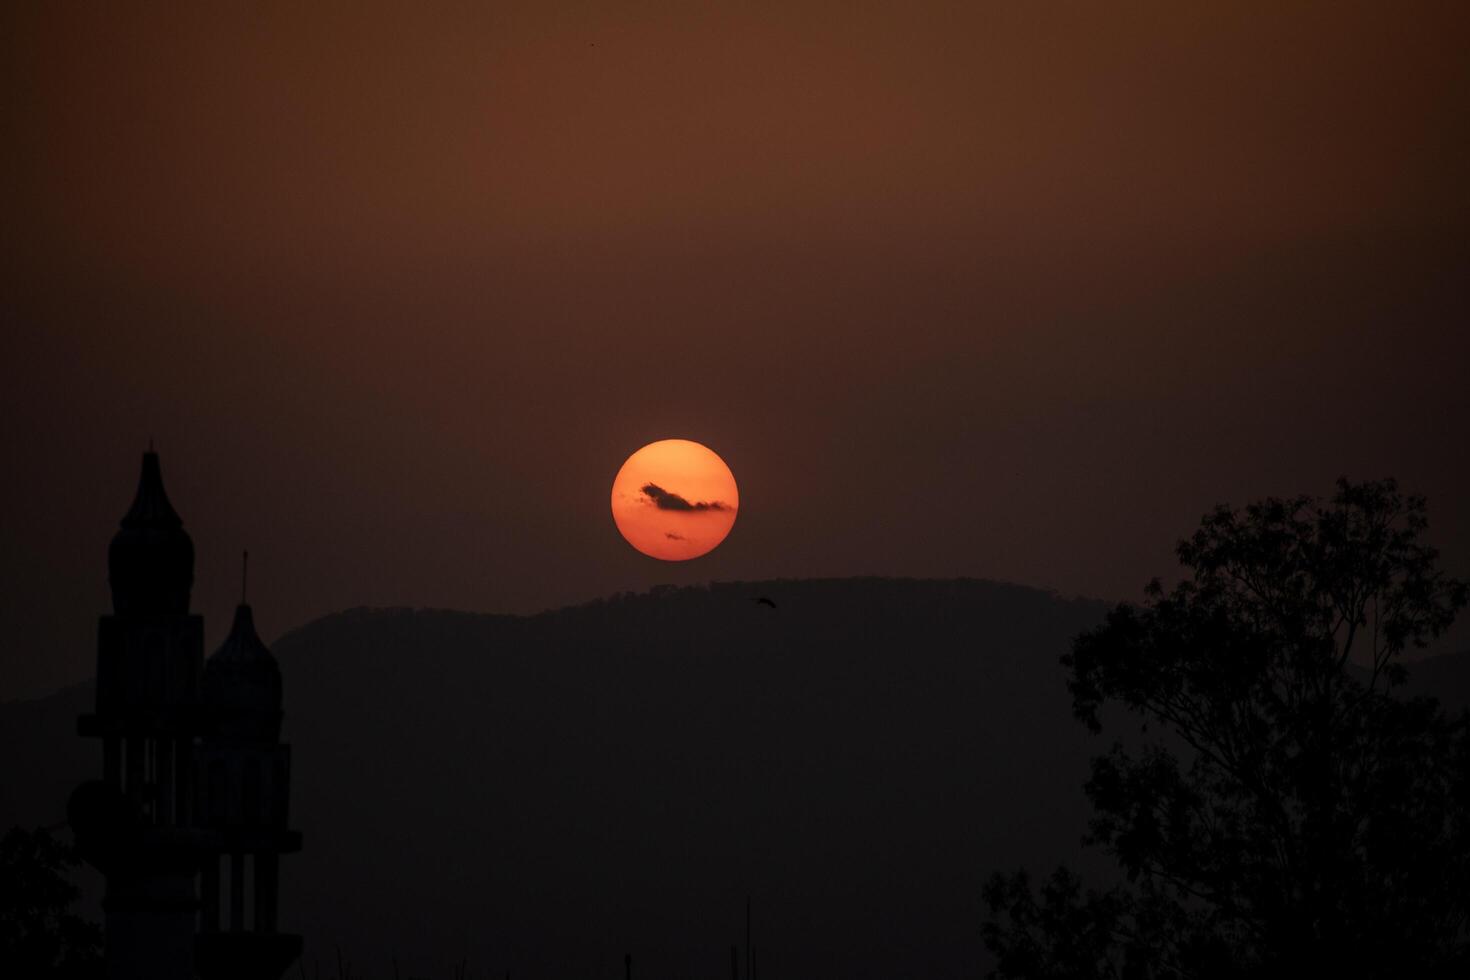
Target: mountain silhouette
543, 794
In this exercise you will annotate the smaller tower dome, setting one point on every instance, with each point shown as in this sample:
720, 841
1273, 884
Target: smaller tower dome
150, 563
243, 683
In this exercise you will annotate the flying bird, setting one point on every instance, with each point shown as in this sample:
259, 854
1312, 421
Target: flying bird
764, 601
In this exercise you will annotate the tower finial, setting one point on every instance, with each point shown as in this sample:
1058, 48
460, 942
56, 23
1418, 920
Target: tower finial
150, 444
244, 573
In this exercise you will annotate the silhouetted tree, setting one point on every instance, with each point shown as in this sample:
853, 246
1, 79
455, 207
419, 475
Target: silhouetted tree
39, 934
1289, 813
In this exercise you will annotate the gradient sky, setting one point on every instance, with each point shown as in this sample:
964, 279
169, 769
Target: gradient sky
1014, 290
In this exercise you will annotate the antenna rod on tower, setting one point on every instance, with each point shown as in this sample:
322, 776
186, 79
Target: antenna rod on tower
244, 573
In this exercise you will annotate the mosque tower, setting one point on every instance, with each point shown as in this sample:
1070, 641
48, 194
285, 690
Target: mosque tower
136, 824
244, 776
164, 719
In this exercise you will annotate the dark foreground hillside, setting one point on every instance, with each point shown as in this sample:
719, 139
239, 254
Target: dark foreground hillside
544, 794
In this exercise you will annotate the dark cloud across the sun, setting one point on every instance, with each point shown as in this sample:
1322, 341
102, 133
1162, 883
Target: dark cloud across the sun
666, 500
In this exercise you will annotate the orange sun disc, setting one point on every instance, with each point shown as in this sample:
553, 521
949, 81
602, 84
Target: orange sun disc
675, 500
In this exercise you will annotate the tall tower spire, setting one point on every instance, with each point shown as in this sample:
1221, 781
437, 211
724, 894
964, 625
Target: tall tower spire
150, 564
135, 823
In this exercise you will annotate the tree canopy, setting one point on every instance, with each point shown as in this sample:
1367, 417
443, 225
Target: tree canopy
40, 936
1285, 809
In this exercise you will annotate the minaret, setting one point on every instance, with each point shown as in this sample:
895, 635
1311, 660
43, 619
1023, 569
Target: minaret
135, 824
244, 778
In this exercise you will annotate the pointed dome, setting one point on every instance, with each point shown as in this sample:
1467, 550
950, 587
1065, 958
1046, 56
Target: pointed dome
150, 564
243, 682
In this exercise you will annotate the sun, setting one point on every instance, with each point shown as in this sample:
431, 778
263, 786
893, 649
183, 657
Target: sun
675, 500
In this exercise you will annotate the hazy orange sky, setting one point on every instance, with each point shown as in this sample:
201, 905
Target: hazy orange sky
1011, 289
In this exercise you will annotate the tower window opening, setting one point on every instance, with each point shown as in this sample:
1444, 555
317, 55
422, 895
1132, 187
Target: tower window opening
247, 897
